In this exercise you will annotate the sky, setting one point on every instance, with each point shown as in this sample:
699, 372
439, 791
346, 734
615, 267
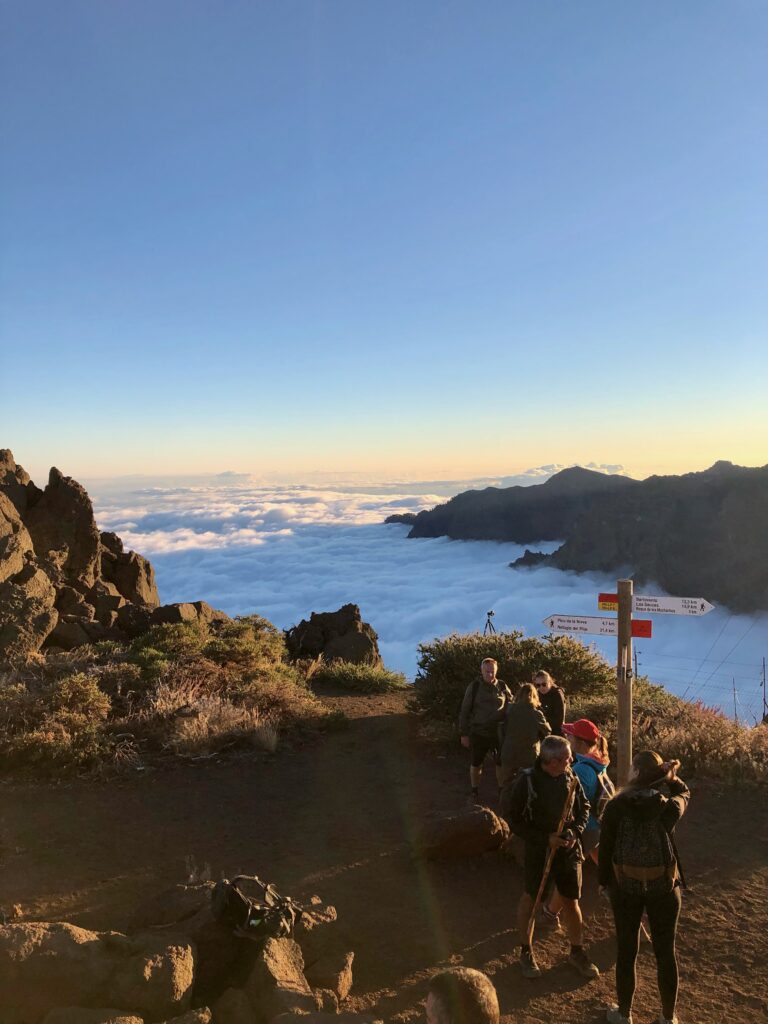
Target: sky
284, 551
407, 240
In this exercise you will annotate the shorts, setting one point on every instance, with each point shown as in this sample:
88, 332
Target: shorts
564, 875
481, 745
590, 840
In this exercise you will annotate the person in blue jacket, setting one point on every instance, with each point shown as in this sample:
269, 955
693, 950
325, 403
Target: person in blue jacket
590, 764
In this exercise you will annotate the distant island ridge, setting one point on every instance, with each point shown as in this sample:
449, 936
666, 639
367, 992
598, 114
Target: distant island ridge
700, 534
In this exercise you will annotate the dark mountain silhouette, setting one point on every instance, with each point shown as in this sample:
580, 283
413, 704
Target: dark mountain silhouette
700, 534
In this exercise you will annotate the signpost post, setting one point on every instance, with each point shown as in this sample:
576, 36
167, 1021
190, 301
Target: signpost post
624, 680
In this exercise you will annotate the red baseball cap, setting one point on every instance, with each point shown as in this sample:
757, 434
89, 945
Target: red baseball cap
582, 730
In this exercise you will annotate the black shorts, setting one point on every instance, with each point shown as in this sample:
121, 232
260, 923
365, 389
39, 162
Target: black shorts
565, 874
481, 745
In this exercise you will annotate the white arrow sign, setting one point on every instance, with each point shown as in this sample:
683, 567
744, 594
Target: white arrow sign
582, 624
671, 605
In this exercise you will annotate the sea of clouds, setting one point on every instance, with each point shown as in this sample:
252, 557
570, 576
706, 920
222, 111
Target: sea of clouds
284, 550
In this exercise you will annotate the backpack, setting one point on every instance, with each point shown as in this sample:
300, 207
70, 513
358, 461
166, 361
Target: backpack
271, 917
606, 791
643, 855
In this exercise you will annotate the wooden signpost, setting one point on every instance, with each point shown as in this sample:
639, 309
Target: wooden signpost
624, 628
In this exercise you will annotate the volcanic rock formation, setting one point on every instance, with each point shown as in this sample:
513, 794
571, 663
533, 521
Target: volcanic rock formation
336, 636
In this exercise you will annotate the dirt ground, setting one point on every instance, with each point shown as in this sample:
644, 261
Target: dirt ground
334, 817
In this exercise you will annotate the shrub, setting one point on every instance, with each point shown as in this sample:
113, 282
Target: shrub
359, 678
449, 664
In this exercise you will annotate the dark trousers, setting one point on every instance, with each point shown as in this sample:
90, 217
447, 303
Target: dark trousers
663, 913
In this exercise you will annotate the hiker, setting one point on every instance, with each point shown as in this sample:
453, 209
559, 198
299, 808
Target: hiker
590, 764
523, 730
638, 866
533, 805
552, 701
482, 712
462, 995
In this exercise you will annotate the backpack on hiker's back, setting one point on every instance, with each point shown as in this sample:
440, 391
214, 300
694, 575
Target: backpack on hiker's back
644, 858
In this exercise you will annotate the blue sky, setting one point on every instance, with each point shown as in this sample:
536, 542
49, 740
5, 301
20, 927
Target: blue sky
407, 238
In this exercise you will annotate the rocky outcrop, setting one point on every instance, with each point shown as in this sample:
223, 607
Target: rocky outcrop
336, 636
699, 534
62, 583
46, 967
468, 834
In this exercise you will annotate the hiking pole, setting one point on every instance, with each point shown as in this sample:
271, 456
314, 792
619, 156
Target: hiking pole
567, 808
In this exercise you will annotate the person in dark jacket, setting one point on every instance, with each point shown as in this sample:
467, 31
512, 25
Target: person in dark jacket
523, 730
552, 700
533, 804
482, 712
637, 865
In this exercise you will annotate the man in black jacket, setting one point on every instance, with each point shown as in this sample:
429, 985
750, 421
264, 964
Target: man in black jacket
533, 805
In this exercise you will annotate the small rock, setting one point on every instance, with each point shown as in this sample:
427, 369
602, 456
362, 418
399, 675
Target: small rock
233, 1007
468, 834
333, 972
276, 983
83, 1015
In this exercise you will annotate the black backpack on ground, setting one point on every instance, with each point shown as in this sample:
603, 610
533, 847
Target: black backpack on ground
268, 916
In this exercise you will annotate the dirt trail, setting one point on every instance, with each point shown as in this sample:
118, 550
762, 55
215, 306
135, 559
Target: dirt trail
334, 817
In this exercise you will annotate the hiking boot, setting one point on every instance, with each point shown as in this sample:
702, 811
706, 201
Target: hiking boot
528, 964
613, 1016
550, 921
581, 962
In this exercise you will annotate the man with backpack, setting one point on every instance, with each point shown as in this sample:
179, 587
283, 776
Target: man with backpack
534, 805
638, 866
482, 712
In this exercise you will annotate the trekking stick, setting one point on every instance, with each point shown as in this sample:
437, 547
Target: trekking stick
567, 808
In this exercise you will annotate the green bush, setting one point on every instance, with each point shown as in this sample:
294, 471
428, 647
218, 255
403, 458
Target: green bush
359, 678
447, 666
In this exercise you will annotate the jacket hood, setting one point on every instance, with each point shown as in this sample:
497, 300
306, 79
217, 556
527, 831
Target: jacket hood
645, 803
599, 767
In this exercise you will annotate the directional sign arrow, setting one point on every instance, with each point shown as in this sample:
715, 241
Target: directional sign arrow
602, 625
652, 605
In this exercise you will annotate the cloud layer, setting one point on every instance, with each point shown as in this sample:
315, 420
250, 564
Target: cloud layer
285, 551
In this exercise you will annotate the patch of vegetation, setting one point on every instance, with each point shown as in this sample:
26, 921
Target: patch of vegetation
177, 691
359, 678
703, 738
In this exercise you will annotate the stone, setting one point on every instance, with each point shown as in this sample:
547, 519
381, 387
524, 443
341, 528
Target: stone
133, 620
341, 635
15, 541
16, 484
200, 1016
25, 623
327, 1000
194, 611
62, 521
83, 1015
276, 983
233, 1007
468, 834
107, 600
333, 972
71, 602
134, 577
327, 1018
46, 966
67, 634
35, 583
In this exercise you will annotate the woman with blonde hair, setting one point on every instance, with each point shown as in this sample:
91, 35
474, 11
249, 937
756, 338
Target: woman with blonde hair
552, 700
522, 732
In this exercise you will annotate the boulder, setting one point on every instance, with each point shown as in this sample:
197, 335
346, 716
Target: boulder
233, 1007
334, 972
83, 1015
25, 623
132, 574
133, 620
341, 635
195, 611
327, 1000
68, 633
47, 966
107, 600
276, 983
200, 1016
62, 521
15, 482
467, 834
15, 541
35, 583
71, 602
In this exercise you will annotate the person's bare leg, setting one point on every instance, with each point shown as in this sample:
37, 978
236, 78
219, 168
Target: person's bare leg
555, 904
524, 908
574, 923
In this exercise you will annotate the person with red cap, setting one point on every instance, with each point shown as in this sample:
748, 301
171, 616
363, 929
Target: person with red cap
590, 764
